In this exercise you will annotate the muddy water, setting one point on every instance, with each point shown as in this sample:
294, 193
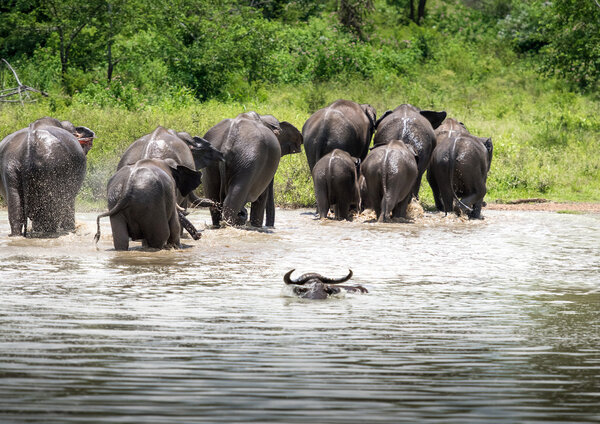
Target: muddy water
465, 322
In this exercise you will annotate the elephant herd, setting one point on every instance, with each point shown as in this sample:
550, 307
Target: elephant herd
42, 168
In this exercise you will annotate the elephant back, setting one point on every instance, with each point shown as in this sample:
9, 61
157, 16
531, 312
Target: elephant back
342, 125
160, 144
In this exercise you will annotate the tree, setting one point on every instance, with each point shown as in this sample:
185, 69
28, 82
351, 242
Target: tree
68, 18
352, 14
410, 5
574, 48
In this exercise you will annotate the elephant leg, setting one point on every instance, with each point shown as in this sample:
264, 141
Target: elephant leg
16, 216
234, 202
322, 198
216, 215
475, 201
175, 229
476, 212
437, 198
447, 198
401, 208
342, 209
67, 221
385, 209
119, 232
417, 186
270, 221
257, 209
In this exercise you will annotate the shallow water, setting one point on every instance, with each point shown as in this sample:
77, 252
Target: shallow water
465, 322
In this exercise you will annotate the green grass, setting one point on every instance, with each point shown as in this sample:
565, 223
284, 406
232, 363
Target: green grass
546, 139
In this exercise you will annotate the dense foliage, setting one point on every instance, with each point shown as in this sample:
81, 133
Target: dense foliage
525, 73
122, 51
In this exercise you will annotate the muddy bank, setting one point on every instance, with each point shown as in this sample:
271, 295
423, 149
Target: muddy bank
545, 205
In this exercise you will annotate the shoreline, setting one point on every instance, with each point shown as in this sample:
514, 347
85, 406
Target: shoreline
545, 205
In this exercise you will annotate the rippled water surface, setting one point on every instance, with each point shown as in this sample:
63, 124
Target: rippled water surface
495, 321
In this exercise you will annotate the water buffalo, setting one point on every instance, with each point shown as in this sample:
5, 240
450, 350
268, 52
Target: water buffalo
315, 286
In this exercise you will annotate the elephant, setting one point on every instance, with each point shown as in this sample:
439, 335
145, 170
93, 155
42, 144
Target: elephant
42, 168
389, 173
252, 145
336, 183
343, 125
458, 170
192, 152
142, 202
413, 126
315, 286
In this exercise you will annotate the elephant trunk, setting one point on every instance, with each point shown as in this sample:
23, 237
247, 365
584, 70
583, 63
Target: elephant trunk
185, 223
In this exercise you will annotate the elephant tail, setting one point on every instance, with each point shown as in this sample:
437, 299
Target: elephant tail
25, 175
452, 164
121, 204
385, 168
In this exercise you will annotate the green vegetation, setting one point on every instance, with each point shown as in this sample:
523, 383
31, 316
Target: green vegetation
505, 69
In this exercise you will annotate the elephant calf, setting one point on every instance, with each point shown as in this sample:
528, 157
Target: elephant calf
388, 175
336, 183
414, 127
458, 170
142, 199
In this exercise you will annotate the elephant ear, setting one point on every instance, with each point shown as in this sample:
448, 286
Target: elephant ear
185, 136
490, 149
385, 115
186, 179
413, 151
435, 118
85, 136
271, 123
290, 139
371, 114
204, 153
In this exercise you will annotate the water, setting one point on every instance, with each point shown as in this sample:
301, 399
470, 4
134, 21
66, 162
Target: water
465, 322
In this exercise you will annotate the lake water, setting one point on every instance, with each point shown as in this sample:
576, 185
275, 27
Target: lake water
494, 321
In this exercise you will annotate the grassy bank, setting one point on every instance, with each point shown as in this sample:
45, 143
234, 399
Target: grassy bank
546, 139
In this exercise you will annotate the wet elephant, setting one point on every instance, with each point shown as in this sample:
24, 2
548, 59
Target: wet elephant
190, 151
142, 202
458, 170
343, 125
388, 175
336, 183
42, 168
252, 145
413, 126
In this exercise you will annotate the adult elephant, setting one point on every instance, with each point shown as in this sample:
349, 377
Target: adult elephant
413, 126
388, 174
336, 183
458, 170
252, 145
184, 149
343, 125
42, 168
142, 202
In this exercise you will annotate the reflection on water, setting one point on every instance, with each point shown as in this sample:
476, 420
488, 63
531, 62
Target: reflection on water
465, 322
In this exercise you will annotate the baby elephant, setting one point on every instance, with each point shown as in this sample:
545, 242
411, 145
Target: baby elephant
459, 168
142, 201
388, 175
334, 176
315, 286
